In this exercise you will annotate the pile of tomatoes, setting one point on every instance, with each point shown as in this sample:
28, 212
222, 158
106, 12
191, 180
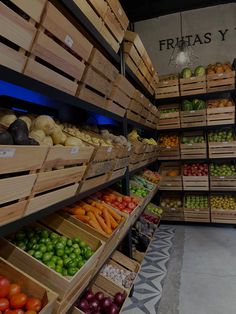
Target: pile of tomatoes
14, 301
125, 204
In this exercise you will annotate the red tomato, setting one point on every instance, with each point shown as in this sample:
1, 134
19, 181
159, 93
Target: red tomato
112, 197
4, 286
19, 311
14, 289
125, 203
33, 304
4, 304
17, 301
119, 199
127, 199
121, 206
131, 205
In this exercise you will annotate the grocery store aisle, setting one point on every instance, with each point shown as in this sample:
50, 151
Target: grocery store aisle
200, 277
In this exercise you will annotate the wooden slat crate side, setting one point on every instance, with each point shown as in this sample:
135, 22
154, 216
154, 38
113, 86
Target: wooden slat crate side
217, 116
12, 59
123, 84
193, 118
197, 215
193, 150
119, 13
220, 81
21, 158
119, 97
223, 216
103, 65
135, 106
135, 39
48, 50
30, 286
98, 168
130, 63
133, 116
100, 7
10, 213
117, 173
171, 153
93, 182
170, 182
195, 183
56, 23
167, 92
15, 28
222, 150
115, 108
40, 202
110, 38
193, 85
90, 13
35, 11
42, 73
131, 51
227, 183
91, 97
114, 25
15, 188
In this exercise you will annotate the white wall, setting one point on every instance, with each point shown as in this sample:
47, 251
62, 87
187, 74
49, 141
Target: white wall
201, 21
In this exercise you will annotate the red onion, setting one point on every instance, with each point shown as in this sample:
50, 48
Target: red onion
99, 296
112, 309
89, 295
119, 298
94, 304
105, 303
83, 305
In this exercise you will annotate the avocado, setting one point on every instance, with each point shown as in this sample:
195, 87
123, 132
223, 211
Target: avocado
6, 138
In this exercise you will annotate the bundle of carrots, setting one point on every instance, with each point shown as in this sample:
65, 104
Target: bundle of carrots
96, 214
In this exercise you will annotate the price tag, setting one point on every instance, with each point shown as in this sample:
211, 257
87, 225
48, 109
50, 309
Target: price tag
225, 142
192, 111
222, 177
168, 184
172, 209
220, 74
109, 149
74, 150
168, 147
7, 153
69, 41
197, 210
190, 144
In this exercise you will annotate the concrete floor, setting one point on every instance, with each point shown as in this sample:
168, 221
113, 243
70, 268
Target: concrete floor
200, 276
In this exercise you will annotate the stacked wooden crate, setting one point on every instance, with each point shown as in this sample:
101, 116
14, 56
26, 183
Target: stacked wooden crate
108, 17
137, 59
168, 86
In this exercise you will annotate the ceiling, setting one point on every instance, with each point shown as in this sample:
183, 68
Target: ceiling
138, 10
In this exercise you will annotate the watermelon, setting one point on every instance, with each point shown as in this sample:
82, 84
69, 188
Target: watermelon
199, 71
186, 73
187, 105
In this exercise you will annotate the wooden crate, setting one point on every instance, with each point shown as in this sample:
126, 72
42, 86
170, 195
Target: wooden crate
18, 168
169, 120
173, 183
58, 59
194, 150
172, 214
17, 31
30, 286
117, 173
120, 261
195, 183
107, 287
193, 85
223, 216
196, 214
169, 153
119, 12
222, 115
123, 84
118, 101
223, 183
130, 51
97, 81
121, 163
222, 149
91, 183
220, 81
167, 88
55, 281
193, 118
133, 116
98, 168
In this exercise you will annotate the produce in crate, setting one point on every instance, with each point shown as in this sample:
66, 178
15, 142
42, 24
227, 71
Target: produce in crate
142, 181
123, 277
196, 201
154, 209
193, 139
98, 303
219, 68
167, 78
134, 136
196, 169
224, 135
138, 190
169, 110
145, 227
195, 104
169, 141
64, 255
151, 176
96, 214
226, 202
153, 219
219, 103
13, 300
171, 202
187, 72
125, 204
223, 170
140, 242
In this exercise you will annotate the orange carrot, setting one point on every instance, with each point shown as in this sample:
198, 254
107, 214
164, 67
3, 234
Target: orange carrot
82, 218
96, 226
114, 224
95, 222
106, 217
116, 216
103, 225
78, 211
95, 210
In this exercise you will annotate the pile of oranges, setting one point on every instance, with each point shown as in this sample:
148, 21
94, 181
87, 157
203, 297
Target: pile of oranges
169, 141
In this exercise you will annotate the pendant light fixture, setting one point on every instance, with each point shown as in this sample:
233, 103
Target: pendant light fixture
182, 55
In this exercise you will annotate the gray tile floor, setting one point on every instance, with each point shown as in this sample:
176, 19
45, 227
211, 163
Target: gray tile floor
188, 270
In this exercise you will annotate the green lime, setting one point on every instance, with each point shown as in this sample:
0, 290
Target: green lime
38, 254
60, 252
22, 246
54, 236
44, 234
82, 244
47, 241
49, 247
64, 272
54, 259
59, 245
76, 240
31, 252
75, 245
88, 254
72, 271
72, 255
67, 250
66, 261
42, 240
77, 251
46, 257
60, 262
80, 264
35, 246
50, 264
42, 248
58, 269
69, 242
34, 240
71, 263
79, 258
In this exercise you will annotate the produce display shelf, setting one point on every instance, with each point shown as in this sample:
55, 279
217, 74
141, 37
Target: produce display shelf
141, 168
10, 76
13, 226
197, 128
140, 126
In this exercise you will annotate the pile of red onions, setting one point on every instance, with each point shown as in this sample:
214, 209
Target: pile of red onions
99, 304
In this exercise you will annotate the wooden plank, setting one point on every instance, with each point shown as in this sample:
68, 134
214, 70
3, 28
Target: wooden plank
166, 153
12, 212
55, 22
169, 120
220, 81
35, 11
21, 158
29, 286
50, 77
119, 12
193, 150
114, 26
97, 81
14, 188
222, 183
123, 84
115, 108
91, 97
93, 182
100, 7
221, 115
109, 38
193, 118
97, 168
15, 28
119, 97
11, 58
193, 85
222, 150
48, 50
170, 182
135, 39
130, 50
195, 183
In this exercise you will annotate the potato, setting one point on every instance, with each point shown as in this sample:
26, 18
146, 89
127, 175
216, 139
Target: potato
7, 119
44, 123
37, 135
